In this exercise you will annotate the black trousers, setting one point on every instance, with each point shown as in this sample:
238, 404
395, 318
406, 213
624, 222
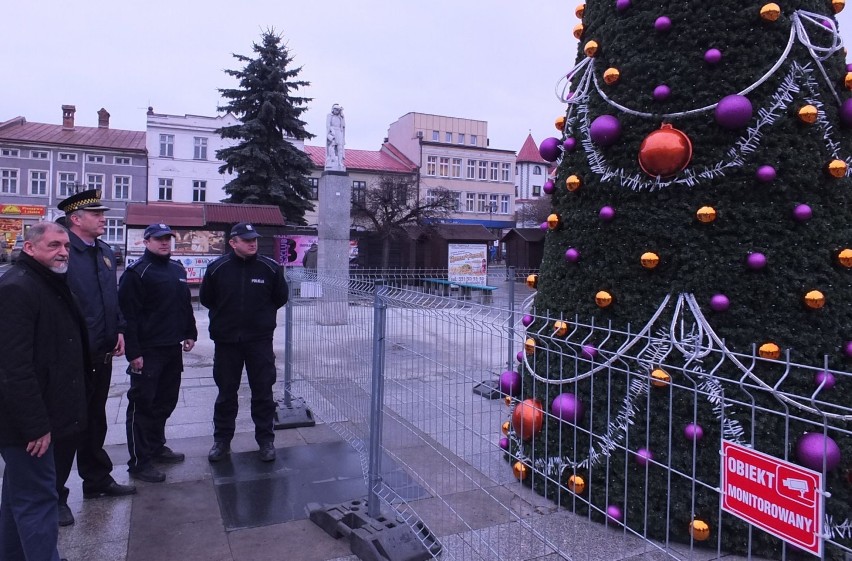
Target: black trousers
152, 399
93, 463
228, 362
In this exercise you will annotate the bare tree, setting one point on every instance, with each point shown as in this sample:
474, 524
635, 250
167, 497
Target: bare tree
392, 202
533, 212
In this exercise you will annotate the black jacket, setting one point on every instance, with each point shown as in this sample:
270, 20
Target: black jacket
42, 375
156, 304
243, 296
91, 276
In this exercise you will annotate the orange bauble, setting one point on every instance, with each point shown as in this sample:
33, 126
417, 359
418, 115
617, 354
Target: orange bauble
665, 152
699, 530
845, 257
769, 350
580, 10
815, 299
520, 471
576, 484
559, 123
578, 31
528, 418
560, 328
649, 259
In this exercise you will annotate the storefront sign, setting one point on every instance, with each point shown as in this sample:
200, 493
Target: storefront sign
24, 210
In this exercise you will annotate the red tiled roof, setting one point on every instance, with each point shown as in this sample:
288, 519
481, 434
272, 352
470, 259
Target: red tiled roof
367, 160
260, 215
529, 153
18, 129
181, 215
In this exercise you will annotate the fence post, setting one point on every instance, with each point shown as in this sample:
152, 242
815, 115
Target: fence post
376, 400
510, 322
290, 414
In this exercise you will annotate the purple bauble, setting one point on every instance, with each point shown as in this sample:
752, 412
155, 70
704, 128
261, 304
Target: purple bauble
849, 67
662, 92
543, 226
607, 213
549, 149
572, 255
589, 351
719, 303
614, 512
812, 448
567, 407
802, 213
569, 144
504, 443
756, 261
693, 432
846, 113
847, 349
734, 111
713, 56
510, 382
621, 5
520, 356
663, 23
527, 320
548, 187
824, 379
605, 130
643, 456
765, 174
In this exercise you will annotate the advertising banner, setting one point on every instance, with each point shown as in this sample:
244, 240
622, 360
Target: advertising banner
195, 249
468, 263
24, 210
291, 249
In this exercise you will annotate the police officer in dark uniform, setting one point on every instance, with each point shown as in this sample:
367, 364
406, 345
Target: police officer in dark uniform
157, 307
243, 291
92, 278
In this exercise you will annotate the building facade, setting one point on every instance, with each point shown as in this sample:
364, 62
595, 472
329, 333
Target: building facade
531, 172
42, 164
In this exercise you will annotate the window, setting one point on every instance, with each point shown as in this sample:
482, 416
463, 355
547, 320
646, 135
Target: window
444, 167
167, 146
67, 184
67, 157
431, 164
470, 202
38, 183
495, 171
9, 181
435, 136
94, 158
537, 170
122, 160
483, 170
11, 152
38, 155
455, 171
448, 137
456, 196
120, 187
536, 190
504, 204
482, 202
95, 181
471, 169
314, 191
473, 139
505, 175
165, 189
199, 190
359, 191
431, 196
461, 138
492, 204
200, 151
114, 232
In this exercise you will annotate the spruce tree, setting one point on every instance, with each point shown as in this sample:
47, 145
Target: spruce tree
269, 168
699, 256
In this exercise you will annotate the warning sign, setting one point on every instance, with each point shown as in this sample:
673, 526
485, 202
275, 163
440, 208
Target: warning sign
776, 496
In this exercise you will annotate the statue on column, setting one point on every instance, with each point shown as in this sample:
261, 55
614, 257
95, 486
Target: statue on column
335, 139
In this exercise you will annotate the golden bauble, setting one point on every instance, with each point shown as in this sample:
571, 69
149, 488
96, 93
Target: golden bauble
532, 280
520, 471
611, 75
552, 222
649, 260
660, 378
847, 81
699, 530
769, 350
578, 30
529, 346
573, 183
838, 5
505, 427
508, 400
560, 329
815, 299
591, 49
559, 123
845, 258
808, 114
580, 11
603, 299
837, 168
770, 12
706, 214
576, 484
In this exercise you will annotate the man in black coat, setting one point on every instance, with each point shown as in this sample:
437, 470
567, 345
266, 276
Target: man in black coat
42, 390
243, 291
157, 307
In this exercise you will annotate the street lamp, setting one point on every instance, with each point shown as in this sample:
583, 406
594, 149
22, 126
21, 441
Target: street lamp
492, 208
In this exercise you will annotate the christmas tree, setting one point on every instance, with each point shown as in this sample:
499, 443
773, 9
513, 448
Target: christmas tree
695, 286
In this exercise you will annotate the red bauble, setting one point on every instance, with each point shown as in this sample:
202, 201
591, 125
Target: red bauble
665, 152
528, 418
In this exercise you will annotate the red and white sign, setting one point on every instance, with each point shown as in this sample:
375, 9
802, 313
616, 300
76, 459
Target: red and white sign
776, 496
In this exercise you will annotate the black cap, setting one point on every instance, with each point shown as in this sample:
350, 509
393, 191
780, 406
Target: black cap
84, 200
245, 231
157, 231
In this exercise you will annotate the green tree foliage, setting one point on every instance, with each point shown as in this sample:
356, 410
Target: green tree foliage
269, 168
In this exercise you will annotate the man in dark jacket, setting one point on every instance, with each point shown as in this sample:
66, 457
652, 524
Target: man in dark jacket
42, 390
157, 307
92, 277
243, 291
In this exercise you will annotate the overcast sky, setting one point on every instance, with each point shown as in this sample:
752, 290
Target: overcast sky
496, 61
492, 60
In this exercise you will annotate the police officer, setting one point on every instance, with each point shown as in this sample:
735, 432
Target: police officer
156, 304
243, 291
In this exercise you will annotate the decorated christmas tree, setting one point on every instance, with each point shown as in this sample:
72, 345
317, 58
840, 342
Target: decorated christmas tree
696, 285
